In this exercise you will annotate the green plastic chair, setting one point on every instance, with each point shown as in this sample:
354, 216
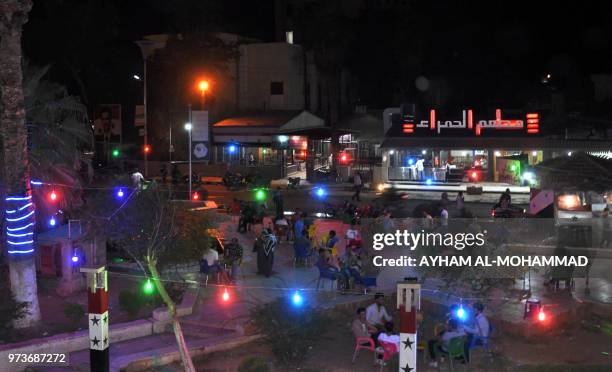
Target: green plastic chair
456, 350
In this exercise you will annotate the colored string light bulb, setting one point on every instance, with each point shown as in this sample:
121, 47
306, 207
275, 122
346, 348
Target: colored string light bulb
226, 295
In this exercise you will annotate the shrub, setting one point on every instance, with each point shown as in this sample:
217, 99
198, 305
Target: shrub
130, 302
289, 331
254, 364
74, 312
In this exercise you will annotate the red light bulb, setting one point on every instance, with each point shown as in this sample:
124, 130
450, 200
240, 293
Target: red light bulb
195, 196
53, 196
226, 295
541, 316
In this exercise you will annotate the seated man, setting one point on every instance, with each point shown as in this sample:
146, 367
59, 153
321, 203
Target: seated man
479, 332
233, 256
210, 258
361, 327
352, 267
440, 344
301, 246
388, 337
325, 264
376, 313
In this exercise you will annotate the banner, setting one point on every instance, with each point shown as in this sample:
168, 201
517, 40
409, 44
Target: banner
107, 123
199, 135
139, 117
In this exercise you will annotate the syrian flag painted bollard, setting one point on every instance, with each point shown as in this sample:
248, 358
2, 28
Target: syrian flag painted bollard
97, 296
408, 303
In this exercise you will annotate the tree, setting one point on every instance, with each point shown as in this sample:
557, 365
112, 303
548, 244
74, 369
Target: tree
13, 15
160, 234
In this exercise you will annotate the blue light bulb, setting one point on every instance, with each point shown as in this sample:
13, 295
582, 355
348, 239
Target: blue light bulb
52, 222
297, 299
320, 192
232, 148
428, 181
120, 193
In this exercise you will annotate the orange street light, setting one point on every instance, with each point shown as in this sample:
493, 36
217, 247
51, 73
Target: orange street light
203, 86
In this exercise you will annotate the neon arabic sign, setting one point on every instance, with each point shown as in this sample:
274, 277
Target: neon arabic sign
532, 123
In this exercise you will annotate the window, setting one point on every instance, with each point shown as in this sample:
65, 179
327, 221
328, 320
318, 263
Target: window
276, 88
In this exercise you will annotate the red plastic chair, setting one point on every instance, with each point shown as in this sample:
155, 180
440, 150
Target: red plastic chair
359, 345
388, 351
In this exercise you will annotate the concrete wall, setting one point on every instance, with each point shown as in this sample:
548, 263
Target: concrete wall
73, 341
261, 64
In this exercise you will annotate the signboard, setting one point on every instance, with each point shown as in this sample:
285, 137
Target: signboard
139, 116
464, 123
199, 135
107, 122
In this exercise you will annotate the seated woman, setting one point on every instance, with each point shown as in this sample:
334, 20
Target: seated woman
326, 265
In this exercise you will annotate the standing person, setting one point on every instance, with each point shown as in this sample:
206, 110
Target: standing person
420, 166
606, 229
358, 185
265, 253
506, 196
444, 218
176, 174
211, 265
387, 223
444, 199
427, 221
278, 203
460, 200
137, 179
251, 159
163, 172
233, 257
298, 225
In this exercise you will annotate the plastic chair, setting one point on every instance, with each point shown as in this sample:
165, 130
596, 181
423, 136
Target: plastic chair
483, 342
326, 275
456, 349
359, 345
388, 351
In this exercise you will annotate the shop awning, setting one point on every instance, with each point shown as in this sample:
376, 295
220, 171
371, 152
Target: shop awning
259, 127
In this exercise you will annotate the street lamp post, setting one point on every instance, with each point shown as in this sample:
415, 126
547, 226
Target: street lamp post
188, 127
146, 48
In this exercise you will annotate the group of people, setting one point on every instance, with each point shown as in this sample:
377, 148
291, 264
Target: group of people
232, 259
471, 335
376, 323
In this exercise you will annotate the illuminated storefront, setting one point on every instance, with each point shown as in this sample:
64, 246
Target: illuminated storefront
470, 146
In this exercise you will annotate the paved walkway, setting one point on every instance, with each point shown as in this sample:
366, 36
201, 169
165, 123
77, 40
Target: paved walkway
215, 321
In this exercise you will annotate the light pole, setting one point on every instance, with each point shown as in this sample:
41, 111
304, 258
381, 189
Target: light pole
146, 48
188, 127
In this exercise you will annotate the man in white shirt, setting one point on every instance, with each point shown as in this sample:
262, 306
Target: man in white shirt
137, 178
420, 166
444, 218
376, 314
212, 266
480, 331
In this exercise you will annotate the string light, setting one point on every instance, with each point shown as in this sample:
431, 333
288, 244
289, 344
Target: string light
75, 258
53, 196
120, 193
20, 218
225, 296
297, 299
20, 228
52, 222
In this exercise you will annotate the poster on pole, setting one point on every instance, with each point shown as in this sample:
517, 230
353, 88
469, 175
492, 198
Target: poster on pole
107, 123
199, 135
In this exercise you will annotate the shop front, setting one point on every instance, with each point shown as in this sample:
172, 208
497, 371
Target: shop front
275, 144
499, 147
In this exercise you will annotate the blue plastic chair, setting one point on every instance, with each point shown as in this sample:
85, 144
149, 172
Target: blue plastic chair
326, 275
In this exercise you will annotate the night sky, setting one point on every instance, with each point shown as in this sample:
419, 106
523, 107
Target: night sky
493, 50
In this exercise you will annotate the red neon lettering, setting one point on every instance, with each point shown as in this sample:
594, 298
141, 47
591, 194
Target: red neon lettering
470, 119
478, 129
532, 116
533, 131
498, 116
432, 119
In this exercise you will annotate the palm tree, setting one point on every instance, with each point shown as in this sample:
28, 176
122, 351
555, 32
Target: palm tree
13, 15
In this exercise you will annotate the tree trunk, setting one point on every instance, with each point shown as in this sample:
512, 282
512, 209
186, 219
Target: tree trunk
13, 15
176, 325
